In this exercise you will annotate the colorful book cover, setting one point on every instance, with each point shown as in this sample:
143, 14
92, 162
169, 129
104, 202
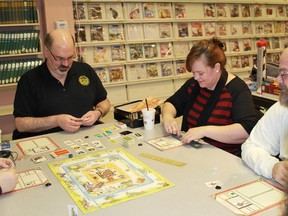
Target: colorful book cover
221, 10
165, 30
80, 33
136, 72
97, 33
152, 70
150, 50
151, 30
166, 50
95, 11
246, 28
180, 10
115, 32
149, 10
234, 10
135, 31
210, 28
114, 11
197, 29
245, 10
102, 74
183, 30
166, 69
209, 10
79, 11
164, 10
134, 10
136, 51
118, 53
116, 74
101, 54
181, 67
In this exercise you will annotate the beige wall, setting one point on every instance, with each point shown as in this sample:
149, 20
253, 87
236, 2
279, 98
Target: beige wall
56, 10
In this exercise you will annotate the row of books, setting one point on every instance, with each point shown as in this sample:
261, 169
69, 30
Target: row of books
158, 31
247, 61
135, 72
141, 72
17, 42
153, 51
114, 53
11, 71
24, 11
150, 10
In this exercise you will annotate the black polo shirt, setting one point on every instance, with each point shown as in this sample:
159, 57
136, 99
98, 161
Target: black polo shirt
39, 94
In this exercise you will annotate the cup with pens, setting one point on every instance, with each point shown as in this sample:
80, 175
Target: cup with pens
148, 117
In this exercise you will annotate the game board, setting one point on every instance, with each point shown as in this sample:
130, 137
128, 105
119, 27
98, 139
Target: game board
30, 178
102, 179
37, 145
251, 198
165, 142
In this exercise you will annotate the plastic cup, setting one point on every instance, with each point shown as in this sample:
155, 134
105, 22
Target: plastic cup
148, 118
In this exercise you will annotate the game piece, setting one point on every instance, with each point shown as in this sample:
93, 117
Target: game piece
5, 144
140, 144
38, 159
70, 155
125, 132
80, 152
121, 125
60, 153
178, 137
195, 144
138, 136
128, 141
48, 184
218, 187
86, 137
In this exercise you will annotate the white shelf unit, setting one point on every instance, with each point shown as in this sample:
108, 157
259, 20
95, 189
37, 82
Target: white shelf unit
148, 26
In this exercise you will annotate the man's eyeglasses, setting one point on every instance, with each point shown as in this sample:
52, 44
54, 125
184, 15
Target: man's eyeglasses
283, 74
60, 59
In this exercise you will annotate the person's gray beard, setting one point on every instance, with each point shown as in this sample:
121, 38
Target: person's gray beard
283, 95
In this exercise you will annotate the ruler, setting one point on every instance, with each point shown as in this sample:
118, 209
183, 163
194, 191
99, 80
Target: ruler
162, 159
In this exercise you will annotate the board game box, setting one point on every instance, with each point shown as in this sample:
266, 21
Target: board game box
133, 119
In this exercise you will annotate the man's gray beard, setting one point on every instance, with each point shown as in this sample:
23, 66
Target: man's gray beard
283, 95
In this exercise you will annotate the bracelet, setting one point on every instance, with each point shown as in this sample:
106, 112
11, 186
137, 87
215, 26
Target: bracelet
101, 113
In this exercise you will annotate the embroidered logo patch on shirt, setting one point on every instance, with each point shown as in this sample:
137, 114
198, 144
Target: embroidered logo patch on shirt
84, 81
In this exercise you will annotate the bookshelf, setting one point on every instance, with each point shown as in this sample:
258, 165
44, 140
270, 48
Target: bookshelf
146, 42
20, 50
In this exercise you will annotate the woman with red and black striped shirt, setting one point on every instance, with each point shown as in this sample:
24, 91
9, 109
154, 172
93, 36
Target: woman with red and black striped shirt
216, 106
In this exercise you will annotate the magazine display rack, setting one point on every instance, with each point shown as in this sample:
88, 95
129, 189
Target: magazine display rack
142, 45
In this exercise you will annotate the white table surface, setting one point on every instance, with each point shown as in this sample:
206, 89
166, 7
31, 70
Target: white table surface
189, 196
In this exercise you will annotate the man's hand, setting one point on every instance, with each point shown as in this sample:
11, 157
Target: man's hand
69, 123
280, 172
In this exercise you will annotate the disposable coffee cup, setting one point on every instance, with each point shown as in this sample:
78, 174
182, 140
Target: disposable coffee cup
148, 118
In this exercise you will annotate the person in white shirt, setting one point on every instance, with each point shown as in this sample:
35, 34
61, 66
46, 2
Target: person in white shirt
266, 149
